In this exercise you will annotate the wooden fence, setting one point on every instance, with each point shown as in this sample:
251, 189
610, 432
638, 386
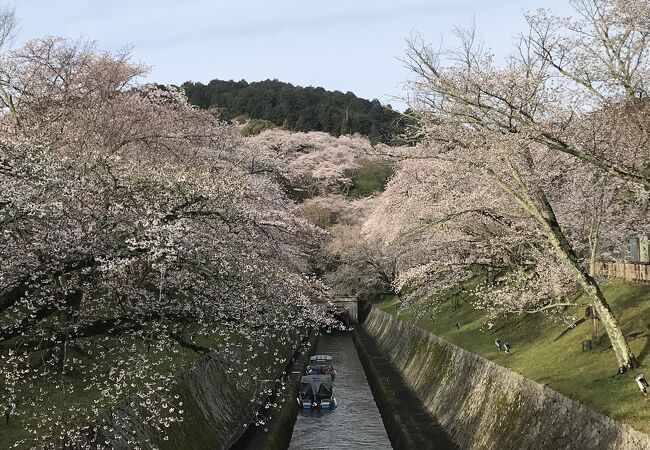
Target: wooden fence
636, 272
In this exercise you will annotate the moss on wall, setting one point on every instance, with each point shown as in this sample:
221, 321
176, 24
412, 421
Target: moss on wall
486, 406
406, 420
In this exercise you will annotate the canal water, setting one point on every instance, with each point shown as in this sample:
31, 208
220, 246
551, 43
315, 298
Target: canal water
356, 422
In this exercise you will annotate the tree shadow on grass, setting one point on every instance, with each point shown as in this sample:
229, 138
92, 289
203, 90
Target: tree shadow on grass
643, 354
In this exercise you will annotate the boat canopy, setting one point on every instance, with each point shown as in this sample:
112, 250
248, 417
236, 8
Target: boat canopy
313, 386
321, 358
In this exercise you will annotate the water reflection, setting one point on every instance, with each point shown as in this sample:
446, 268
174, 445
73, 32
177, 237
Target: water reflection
356, 422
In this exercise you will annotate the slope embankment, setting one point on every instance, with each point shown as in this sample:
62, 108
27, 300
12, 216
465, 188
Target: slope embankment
220, 401
485, 406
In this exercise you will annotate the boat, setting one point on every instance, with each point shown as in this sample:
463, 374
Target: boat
316, 392
317, 386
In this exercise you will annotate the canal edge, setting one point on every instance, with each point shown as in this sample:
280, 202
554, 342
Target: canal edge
407, 422
280, 426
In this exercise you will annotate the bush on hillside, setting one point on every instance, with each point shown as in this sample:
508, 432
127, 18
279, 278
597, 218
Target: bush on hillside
371, 178
256, 126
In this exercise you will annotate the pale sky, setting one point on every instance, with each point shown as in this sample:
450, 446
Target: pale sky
352, 45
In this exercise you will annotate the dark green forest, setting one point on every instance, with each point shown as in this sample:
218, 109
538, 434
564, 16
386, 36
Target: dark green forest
299, 108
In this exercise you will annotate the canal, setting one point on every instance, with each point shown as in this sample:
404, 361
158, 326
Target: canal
356, 422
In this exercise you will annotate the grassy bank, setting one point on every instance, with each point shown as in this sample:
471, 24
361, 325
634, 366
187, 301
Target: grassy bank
540, 354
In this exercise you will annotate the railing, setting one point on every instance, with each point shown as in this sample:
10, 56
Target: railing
637, 272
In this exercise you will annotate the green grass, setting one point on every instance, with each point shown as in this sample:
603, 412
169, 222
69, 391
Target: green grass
590, 377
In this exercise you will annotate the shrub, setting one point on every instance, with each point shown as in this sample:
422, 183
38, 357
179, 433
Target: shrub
371, 178
255, 127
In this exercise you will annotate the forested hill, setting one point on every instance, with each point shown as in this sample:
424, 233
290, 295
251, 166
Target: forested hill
298, 108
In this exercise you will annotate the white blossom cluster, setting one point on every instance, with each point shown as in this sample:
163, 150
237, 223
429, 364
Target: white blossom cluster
527, 172
314, 161
133, 241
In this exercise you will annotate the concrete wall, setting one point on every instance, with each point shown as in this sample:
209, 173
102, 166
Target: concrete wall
277, 432
485, 406
408, 424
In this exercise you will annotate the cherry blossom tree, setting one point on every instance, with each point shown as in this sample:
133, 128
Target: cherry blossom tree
313, 163
131, 231
570, 100
361, 264
8, 27
561, 70
330, 210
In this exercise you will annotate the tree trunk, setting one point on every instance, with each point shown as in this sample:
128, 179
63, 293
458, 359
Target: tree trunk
594, 237
543, 213
564, 251
593, 255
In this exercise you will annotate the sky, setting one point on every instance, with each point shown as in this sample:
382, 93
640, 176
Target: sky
346, 45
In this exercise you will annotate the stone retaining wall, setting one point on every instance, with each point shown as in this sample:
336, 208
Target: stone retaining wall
485, 406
